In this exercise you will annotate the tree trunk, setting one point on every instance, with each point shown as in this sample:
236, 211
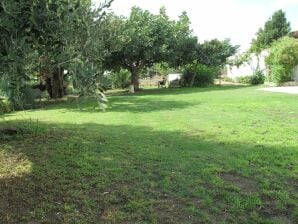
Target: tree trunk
192, 79
53, 78
135, 79
55, 84
194, 75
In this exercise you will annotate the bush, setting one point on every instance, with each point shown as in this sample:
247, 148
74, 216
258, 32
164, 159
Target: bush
203, 75
120, 79
255, 79
5, 106
283, 58
244, 79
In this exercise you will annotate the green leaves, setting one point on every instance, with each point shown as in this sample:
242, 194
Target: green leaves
215, 52
61, 31
282, 59
143, 39
276, 27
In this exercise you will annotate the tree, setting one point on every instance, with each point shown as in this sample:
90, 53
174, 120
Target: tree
283, 58
276, 27
213, 53
183, 43
40, 39
144, 39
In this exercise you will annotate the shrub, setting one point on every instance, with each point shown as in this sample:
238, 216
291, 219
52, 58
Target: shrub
282, 59
203, 75
5, 106
244, 79
120, 79
255, 79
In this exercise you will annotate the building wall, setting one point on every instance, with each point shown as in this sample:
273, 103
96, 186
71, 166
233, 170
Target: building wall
248, 68
295, 73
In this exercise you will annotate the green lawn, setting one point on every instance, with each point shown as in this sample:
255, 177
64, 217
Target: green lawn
201, 155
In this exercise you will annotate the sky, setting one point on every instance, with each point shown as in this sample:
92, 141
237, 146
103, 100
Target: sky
237, 20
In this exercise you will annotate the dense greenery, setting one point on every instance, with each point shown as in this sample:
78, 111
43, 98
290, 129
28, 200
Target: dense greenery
189, 155
210, 56
276, 27
199, 75
255, 79
282, 59
42, 39
119, 79
143, 39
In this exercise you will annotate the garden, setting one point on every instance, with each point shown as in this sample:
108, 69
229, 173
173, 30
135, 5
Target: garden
84, 138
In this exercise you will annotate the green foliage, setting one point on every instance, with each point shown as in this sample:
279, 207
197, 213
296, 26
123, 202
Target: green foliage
183, 44
239, 59
283, 58
144, 39
276, 27
160, 69
39, 39
244, 79
215, 52
199, 75
210, 57
255, 79
5, 106
120, 79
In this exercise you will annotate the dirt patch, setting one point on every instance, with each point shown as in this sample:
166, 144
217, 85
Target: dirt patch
246, 184
170, 210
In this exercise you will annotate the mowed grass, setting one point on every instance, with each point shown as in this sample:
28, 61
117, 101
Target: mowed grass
201, 155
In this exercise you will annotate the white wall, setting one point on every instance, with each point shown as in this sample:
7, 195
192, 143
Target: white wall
248, 68
172, 77
295, 73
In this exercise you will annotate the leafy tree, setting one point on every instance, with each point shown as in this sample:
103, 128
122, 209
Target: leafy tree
144, 39
213, 53
40, 39
282, 59
276, 27
183, 43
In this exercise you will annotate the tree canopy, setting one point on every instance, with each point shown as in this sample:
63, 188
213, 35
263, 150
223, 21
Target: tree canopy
210, 55
144, 39
40, 39
276, 27
283, 58
215, 52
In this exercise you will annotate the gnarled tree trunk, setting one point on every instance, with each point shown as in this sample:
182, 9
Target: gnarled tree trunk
55, 84
53, 78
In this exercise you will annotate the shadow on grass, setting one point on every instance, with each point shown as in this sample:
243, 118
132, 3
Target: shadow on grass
182, 90
123, 174
125, 102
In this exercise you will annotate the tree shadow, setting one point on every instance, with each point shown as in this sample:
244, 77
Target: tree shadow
126, 102
181, 90
122, 103
90, 173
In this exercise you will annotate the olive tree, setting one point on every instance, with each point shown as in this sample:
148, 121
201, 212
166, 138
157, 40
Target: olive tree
41, 39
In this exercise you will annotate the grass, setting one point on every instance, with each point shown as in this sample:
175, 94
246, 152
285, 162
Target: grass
208, 155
